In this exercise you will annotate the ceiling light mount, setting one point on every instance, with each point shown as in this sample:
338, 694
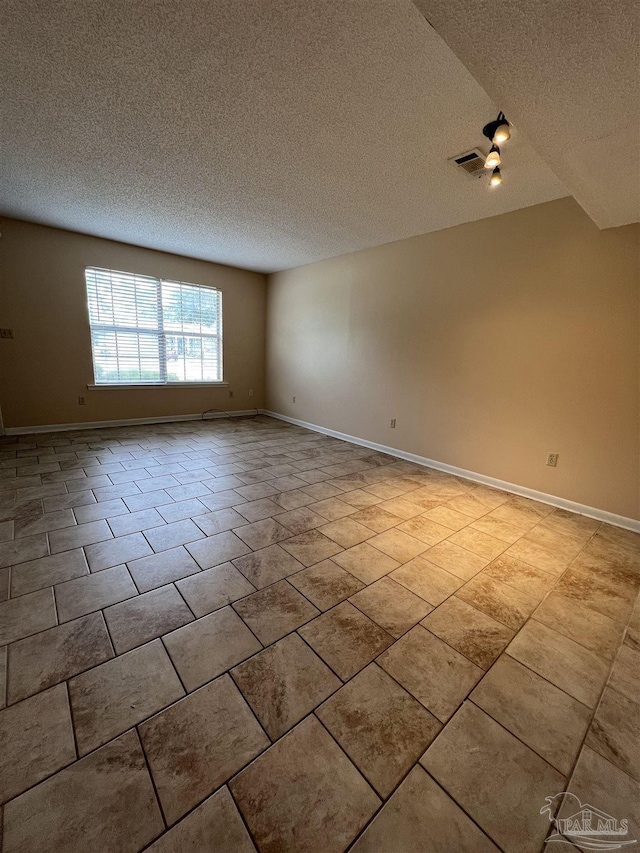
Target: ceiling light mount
497, 131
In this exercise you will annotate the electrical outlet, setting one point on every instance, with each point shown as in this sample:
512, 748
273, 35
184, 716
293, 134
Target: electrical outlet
251, 392
230, 395
393, 423
6, 333
552, 459
81, 401
293, 399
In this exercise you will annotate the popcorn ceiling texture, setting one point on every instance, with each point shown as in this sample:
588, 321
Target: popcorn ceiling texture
262, 135
568, 74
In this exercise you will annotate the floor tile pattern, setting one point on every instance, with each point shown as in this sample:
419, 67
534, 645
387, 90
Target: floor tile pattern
237, 634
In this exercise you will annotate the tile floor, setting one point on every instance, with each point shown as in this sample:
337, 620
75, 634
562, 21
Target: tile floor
238, 635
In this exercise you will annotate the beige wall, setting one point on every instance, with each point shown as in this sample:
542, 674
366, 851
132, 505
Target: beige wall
48, 365
491, 343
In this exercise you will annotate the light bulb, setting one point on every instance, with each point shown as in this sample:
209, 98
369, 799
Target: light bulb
496, 178
502, 134
493, 158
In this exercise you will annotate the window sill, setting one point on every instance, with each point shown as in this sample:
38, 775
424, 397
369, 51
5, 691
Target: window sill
120, 386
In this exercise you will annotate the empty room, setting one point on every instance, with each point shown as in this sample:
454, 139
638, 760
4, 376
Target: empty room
319, 426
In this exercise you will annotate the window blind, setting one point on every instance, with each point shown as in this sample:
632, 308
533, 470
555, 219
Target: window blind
148, 330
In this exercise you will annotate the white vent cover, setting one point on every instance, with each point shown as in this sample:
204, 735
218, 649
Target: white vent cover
471, 162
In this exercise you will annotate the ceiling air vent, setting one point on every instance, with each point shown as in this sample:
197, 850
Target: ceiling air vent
471, 162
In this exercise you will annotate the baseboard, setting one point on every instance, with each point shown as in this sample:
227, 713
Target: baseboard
523, 491
165, 419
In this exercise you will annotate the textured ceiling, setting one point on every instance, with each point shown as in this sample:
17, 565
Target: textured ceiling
261, 133
567, 72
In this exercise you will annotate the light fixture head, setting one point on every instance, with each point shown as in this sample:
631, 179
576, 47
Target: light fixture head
496, 178
497, 131
493, 158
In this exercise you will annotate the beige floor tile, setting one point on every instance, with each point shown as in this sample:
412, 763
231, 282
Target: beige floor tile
292, 499
124, 549
398, 545
159, 569
275, 611
217, 549
402, 507
420, 813
366, 563
537, 555
508, 533
139, 620
615, 732
427, 580
44, 523
391, 605
255, 491
304, 794
284, 683
598, 782
447, 517
52, 656
471, 632
479, 543
376, 519
430, 670
300, 520
456, 560
103, 803
515, 516
425, 529
380, 726
346, 532
571, 667
504, 603
596, 594
322, 491
212, 589
23, 550
255, 510
84, 595
495, 778
261, 534
360, 499
120, 693
215, 825
175, 534
47, 571
197, 744
219, 521
541, 715
203, 650
345, 639
3, 676
591, 629
311, 547
624, 675
325, 584
521, 576
4, 584
267, 566
134, 522
563, 521
79, 536
469, 504
36, 739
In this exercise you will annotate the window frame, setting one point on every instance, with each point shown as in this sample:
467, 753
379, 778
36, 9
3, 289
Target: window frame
160, 334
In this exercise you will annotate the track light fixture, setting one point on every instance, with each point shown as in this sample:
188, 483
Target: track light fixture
493, 158
498, 132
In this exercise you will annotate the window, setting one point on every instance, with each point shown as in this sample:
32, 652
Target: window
151, 331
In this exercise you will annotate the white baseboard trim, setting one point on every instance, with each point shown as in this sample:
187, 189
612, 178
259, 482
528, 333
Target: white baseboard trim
523, 491
164, 419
